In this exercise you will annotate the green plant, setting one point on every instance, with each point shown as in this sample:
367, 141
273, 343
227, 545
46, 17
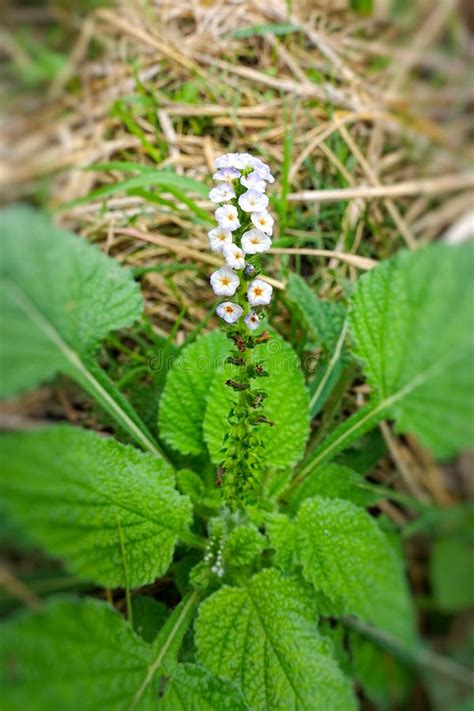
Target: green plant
290, 590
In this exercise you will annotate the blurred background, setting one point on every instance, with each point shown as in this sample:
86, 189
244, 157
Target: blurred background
362, 108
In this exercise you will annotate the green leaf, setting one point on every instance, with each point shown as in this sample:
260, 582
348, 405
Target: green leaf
334, 481
110, 511
413, 325
286, 406
346, 556
363, 7
264, 637
385, 681
328, 374
73, 654
243, 545
192, 485
452, 572
183, 402
59, 296
148, 616
192, 688
167, 644
269, 28
324, 319
281, 532
148, 177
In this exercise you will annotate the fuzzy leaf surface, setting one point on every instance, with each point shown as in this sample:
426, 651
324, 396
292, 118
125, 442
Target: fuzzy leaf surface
264, 637
183, 402
73, 654
334, 481
192, 687
347, 557
323, 318
59, 296
413, 325
82, 496
286, 405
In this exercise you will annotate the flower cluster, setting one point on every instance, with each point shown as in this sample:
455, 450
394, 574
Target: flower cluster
244, 230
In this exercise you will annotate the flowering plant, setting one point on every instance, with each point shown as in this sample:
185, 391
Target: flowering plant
253, 530
243, 233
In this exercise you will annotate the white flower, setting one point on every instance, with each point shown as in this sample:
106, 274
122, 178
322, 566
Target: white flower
263, 221
222, 193
229, 312
234, 256
253, 201
253, 181
254, 241
241, 161
223, 161
252, 321
218, 238
263, 170
259, 293
224, 282
227, 174
227, 217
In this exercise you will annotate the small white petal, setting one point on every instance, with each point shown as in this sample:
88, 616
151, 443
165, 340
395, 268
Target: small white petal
223, 161
263, 221
224, 282
218, 238
263, 170
222, 193
241, 161
253, 201
252, 321
253, 181
229, 312
259, 293
227, 174
234, 256
255, 241
227, 217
